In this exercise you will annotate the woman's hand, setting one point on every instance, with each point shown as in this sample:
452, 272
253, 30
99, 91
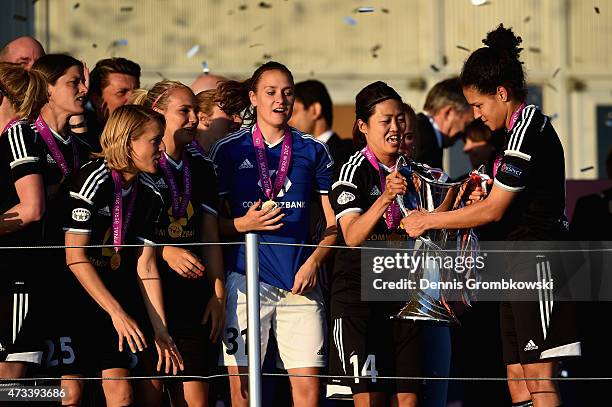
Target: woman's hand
128, 329
167, 353
258, 220
306, 278
395, 184
215, 311
184, 262
415, 223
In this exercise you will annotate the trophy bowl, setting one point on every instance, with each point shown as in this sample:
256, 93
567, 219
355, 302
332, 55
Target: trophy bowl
430, 189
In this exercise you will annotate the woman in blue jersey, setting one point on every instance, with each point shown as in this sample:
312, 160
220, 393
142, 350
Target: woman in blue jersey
193, 280
526, 203
268, 174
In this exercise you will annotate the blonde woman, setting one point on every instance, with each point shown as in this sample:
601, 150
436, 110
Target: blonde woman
113, 201
193, 281
22, 205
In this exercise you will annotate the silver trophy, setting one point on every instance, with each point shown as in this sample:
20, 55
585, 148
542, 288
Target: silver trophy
430, 189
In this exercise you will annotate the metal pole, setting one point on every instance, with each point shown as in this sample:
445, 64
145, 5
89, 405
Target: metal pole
253, 324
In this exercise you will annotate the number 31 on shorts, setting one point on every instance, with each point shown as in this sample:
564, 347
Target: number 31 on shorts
368, 369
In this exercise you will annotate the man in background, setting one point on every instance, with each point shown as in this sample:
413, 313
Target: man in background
445, 115
313, 114
22, 50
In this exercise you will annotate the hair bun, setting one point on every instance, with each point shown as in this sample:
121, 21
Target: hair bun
503, 39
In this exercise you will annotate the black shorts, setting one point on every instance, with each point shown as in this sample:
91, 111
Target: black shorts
534, 327
20, 335
374, 346
200, 355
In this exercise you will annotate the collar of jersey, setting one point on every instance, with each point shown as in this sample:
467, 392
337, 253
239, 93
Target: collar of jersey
126, 191
58, 136
325, 136
280, 140
177, 165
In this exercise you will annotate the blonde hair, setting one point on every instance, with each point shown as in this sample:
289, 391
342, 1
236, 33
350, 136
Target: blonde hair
26, 90
125, 124
158, 95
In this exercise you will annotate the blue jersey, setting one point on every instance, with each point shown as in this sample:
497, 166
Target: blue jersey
309, 175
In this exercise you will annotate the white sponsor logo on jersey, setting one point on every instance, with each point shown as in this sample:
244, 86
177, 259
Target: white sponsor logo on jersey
246, 164
81, 214
345, 198
531, 345
375, 191
160, 183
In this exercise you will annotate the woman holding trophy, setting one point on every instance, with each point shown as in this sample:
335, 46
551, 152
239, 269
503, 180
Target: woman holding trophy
365, 341
526, 203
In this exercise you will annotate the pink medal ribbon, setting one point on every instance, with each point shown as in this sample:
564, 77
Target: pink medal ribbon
513, 120
393, 215
119, 225
49, 140
262, 163
10, 124
179, 206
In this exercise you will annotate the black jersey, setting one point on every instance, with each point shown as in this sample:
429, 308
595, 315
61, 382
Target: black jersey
19, 157
355, 189
186, 299
89, 211
533, 165
203, 197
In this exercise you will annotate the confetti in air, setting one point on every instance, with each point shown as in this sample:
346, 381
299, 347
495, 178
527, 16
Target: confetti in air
263, 4
597, 10
434, 68
527, 19
127, 9
556, 72
385, 10
554, 116
259, 27
193, 51
76, 6
94, 45
461, 47
350, 20
444, 60
242, 7
364, 10
255, 45
535, 50
267, 56
205, 67
589, 168
551, 86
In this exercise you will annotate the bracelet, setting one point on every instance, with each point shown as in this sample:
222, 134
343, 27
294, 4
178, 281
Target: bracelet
78, 125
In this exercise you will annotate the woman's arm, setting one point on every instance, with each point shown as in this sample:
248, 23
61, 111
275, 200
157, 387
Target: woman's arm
30, 208
306, 277
85, 272
356, 228
479, 213
151, 288
212, 256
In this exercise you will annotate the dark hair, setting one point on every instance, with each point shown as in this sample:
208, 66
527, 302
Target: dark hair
233, 96
53, 66
365, 104
411, 114
478, 131
448, 92
312, 91
98, 80
497, 64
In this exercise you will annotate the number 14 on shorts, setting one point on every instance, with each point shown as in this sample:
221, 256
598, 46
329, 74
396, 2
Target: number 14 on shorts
368, 368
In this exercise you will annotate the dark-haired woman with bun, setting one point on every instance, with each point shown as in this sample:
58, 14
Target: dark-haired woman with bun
527, 203
365, 341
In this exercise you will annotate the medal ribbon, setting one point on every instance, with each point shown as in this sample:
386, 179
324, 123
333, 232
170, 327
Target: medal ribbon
179, 207
49, 140
513, 120
393, 211
262, 163
119, 226
10, 124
